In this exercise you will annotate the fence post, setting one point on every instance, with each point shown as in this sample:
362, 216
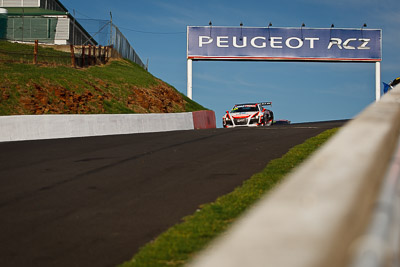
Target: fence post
90, 55
83, 56
100, 59
35, 52
107, 53
94, 55
73, 63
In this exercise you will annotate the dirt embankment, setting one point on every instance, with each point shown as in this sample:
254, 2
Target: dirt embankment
45, 98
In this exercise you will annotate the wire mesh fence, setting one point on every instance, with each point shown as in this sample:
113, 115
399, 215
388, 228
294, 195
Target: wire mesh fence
98, 29
124, 48
108, 34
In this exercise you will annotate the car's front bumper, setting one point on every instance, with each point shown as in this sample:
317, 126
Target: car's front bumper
241, 122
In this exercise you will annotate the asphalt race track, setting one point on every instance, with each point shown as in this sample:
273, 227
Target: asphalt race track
95, 201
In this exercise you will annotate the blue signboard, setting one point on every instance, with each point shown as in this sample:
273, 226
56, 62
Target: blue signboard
292, 44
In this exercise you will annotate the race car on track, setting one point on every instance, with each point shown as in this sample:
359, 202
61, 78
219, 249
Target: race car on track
251, 114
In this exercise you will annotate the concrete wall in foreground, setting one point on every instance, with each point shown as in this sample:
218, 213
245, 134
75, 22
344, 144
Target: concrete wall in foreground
32, 127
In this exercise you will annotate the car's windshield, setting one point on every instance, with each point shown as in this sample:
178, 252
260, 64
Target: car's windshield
244, 108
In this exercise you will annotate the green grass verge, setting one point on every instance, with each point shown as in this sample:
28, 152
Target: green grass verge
179, 243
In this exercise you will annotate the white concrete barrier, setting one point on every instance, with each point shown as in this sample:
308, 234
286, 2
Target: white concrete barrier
318, 215
33, 127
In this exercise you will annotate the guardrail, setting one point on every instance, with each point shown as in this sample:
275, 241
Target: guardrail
320, 214
35, 127
380, 246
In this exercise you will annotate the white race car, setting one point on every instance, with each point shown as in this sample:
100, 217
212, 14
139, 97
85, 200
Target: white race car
252, 114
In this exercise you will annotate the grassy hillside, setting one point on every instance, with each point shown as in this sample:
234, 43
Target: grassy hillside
117, 87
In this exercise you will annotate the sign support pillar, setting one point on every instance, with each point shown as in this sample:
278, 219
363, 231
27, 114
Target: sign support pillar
189, 78
377, 81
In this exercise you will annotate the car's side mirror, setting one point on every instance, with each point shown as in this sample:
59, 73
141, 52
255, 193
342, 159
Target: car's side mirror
264, 110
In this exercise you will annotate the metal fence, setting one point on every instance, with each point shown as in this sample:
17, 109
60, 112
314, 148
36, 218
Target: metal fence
108, 34
123, 47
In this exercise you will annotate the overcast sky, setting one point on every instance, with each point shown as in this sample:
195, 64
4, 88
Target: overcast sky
300, 92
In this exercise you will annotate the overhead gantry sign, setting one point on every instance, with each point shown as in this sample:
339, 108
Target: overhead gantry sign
283, 44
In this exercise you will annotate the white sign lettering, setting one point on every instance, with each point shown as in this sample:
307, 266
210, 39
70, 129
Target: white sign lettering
346, 44
205, 40
278, 42
222, 41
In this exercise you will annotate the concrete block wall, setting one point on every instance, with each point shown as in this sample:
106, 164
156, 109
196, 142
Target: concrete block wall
35, 127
